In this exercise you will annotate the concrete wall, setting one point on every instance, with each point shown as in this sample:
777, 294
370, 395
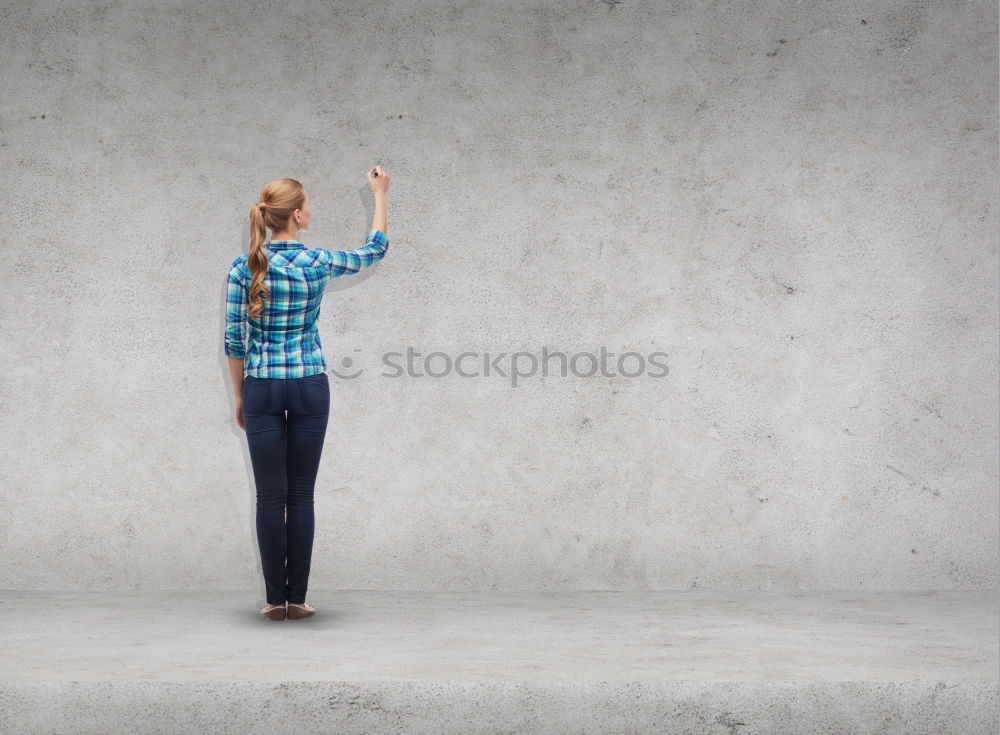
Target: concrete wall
796, 201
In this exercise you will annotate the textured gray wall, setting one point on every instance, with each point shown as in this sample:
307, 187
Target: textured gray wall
797, 202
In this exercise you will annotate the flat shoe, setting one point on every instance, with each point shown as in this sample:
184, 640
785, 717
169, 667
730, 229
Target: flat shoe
297, 611
273, 612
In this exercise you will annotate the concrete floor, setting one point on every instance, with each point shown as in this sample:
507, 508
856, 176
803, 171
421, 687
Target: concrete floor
545, 662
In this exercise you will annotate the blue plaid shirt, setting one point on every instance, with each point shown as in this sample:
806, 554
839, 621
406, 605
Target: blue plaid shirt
283, 340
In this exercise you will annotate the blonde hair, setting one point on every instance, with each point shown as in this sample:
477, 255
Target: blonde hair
278, 200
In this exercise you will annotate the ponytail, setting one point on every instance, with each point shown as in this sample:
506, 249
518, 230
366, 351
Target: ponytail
257, 260
277, 202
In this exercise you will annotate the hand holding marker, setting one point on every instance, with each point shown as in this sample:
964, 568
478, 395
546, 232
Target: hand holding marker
378, 180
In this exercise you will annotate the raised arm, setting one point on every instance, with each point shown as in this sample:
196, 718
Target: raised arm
351, 261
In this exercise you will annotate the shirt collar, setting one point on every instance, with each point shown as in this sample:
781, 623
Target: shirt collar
286, 244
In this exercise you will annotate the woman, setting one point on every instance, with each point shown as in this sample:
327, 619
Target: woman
273, 298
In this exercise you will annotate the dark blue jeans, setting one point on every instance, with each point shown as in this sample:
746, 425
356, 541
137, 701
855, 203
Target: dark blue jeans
285, 449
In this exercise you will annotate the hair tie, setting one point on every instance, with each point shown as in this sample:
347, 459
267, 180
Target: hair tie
261, 205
